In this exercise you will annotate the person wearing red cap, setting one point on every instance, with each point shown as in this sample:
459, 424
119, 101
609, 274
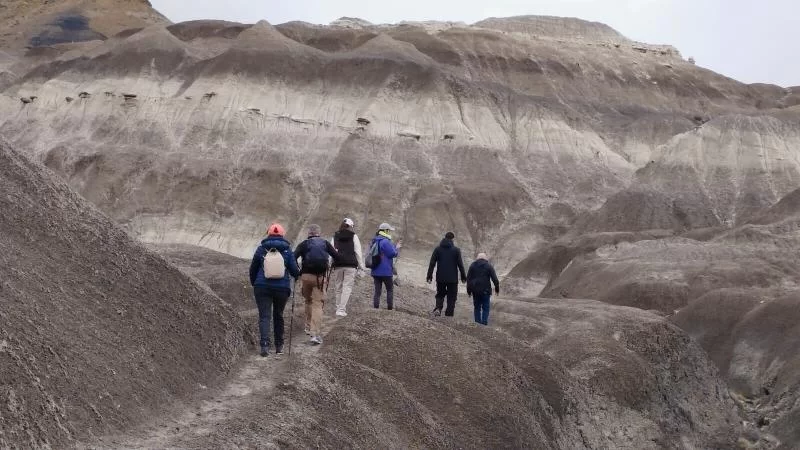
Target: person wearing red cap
271, 270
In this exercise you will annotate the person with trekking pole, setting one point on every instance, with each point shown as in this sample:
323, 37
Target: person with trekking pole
271, 270
315, 253
291, 318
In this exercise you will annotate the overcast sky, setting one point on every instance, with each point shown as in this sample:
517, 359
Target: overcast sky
749, 40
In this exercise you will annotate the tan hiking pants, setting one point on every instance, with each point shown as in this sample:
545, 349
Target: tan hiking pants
313, 290
343, 280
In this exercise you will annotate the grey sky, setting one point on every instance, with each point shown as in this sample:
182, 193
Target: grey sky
751, 41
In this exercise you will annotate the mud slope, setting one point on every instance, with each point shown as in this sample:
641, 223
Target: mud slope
226, 275
96, 332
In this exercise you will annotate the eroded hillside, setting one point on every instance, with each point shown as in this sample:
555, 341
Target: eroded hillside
504, 131
96, 332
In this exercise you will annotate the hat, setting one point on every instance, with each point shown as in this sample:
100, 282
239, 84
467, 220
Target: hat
449, 235
385, 226
349, 222
276, 230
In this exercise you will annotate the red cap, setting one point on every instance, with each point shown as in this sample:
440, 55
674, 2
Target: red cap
276, 230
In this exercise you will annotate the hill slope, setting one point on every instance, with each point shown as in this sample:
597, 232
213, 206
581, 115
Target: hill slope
504, 131
96, 332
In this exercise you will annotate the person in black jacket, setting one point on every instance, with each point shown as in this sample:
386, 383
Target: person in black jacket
479, 276
351, 262
446, 258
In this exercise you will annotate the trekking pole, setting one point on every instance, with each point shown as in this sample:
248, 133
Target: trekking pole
328, 278
291, 319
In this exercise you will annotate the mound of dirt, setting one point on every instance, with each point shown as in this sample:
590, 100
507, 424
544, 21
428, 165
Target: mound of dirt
227, 276
48, 23
735, 292
546, 263
398, 380
667, 274
752, 335
96, 332
787, 208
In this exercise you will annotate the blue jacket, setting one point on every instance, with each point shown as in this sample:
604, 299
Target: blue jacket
257, 265
388, 252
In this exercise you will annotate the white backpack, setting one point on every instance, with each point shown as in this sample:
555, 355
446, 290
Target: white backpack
274, 265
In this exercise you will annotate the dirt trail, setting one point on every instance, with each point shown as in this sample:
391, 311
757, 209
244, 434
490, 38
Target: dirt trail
255, 379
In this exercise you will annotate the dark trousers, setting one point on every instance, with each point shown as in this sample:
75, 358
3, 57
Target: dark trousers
271, 302
481, 303
376, 298
449, 290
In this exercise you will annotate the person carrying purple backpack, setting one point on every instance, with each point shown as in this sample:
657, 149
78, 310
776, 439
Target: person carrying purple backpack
380, 257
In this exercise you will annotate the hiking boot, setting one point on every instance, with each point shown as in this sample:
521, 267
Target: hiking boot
341, 313
279, 350
316, 340
437, 312
264, 352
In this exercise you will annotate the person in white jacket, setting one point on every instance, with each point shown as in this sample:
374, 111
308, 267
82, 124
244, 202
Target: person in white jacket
350, 262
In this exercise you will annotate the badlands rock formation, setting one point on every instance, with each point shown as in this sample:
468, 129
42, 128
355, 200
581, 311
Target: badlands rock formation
736, 291
504, 131
96, 332
588, 165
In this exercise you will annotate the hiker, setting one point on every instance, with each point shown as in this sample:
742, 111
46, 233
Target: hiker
446, 258
316, 253
270, 271
381, 255
479, 278
350, 262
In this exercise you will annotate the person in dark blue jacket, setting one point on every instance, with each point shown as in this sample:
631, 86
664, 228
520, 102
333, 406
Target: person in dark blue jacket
480, 277
270, 291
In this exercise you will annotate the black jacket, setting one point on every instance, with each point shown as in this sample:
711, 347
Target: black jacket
345, 245
479, 276
447, 260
